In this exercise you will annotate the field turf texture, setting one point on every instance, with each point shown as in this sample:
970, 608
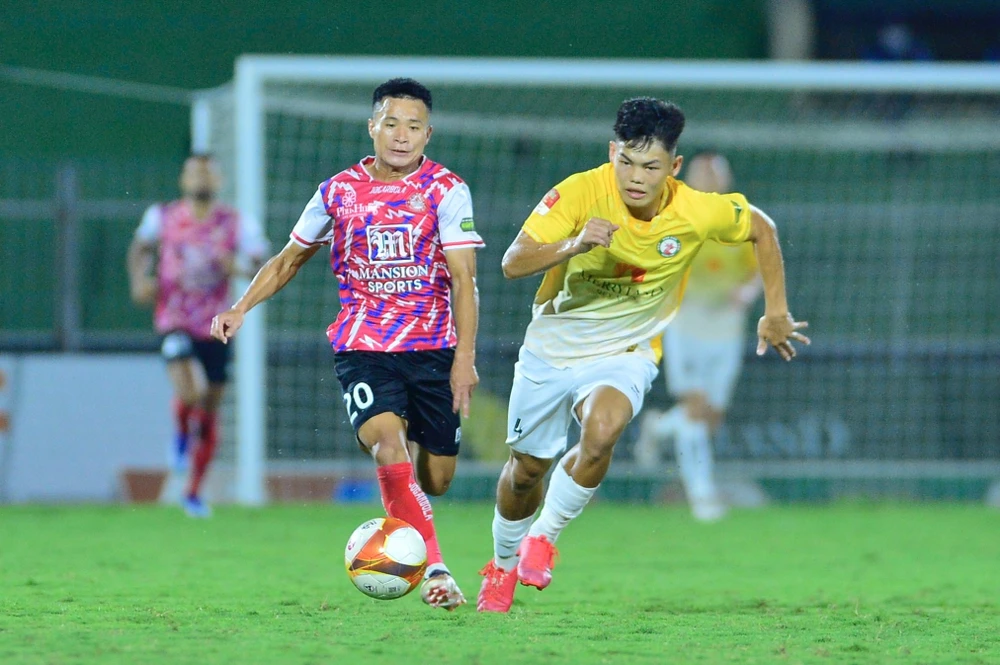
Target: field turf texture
844, 583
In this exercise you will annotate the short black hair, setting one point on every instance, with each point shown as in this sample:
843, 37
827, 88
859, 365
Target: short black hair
642, 120
402, 88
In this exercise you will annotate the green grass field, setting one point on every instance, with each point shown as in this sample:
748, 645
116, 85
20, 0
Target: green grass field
851, 583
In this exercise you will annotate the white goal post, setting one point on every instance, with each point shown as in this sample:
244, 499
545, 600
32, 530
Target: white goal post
234, 121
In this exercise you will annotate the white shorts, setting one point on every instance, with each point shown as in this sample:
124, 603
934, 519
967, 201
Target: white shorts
544, 398
707, 366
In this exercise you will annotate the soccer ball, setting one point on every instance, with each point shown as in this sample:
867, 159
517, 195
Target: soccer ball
385, 558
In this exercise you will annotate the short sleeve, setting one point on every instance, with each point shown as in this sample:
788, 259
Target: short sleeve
559, 215
315, 226
253, 243
149, 228
455, 220
728, 218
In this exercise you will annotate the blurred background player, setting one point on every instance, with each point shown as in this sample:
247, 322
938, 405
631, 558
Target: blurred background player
403, 248
703, 351
614, 244
180, 260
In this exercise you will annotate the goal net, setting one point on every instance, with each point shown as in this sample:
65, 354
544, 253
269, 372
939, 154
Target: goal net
881, 178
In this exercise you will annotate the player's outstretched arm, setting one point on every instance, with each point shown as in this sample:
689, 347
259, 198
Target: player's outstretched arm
526, 256
465, 305
777, 327
270, 279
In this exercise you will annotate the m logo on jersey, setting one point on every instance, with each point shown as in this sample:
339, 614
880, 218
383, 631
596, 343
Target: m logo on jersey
547, 202
668, 247
390, 243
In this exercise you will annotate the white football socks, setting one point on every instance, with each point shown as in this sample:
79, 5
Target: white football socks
694, 457
669, 422
507, 537
564, 501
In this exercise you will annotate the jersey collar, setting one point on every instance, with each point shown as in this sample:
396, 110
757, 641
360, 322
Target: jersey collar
370, 159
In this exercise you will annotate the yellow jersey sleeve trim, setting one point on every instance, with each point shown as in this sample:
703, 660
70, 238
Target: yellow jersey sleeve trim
534, 235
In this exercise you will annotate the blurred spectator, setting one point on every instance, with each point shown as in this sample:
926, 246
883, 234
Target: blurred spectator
896, 42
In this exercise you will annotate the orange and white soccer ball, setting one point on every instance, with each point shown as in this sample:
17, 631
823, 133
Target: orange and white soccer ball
385, 558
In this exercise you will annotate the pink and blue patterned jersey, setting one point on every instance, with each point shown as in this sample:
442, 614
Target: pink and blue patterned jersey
388, 243
196, 257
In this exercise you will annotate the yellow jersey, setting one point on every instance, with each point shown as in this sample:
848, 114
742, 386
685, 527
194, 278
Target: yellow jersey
710, 311
620, 299
718, 270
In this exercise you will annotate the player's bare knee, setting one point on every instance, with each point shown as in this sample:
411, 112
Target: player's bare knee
601, 432
434, 482
526, 472
435, 485
386, 448
190, 393
696, 407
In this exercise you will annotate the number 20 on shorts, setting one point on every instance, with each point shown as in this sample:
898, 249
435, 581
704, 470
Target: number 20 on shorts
360, 399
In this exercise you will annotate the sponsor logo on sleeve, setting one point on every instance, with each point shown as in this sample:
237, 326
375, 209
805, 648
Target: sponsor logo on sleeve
546, 204
668, 247
738, 209
468, 224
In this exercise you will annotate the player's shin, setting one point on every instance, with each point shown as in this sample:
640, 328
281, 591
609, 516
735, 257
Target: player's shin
694, 457
208, 439
403, 499
182, 422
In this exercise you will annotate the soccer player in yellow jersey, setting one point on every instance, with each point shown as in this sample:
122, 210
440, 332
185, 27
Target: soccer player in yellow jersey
615, 244
703, 352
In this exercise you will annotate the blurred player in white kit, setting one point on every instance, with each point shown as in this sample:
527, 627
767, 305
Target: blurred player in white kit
703, 352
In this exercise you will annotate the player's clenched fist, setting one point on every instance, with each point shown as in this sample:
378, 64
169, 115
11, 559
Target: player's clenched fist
596, 232
226, 324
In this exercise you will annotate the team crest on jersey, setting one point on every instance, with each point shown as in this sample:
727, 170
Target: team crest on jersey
392, 243
417, 203
668, 247
547, 202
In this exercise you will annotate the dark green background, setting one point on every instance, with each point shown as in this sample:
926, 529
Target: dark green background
193, 45
130, 150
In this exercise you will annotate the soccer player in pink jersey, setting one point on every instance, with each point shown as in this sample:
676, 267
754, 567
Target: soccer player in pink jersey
180, 260
402, 246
